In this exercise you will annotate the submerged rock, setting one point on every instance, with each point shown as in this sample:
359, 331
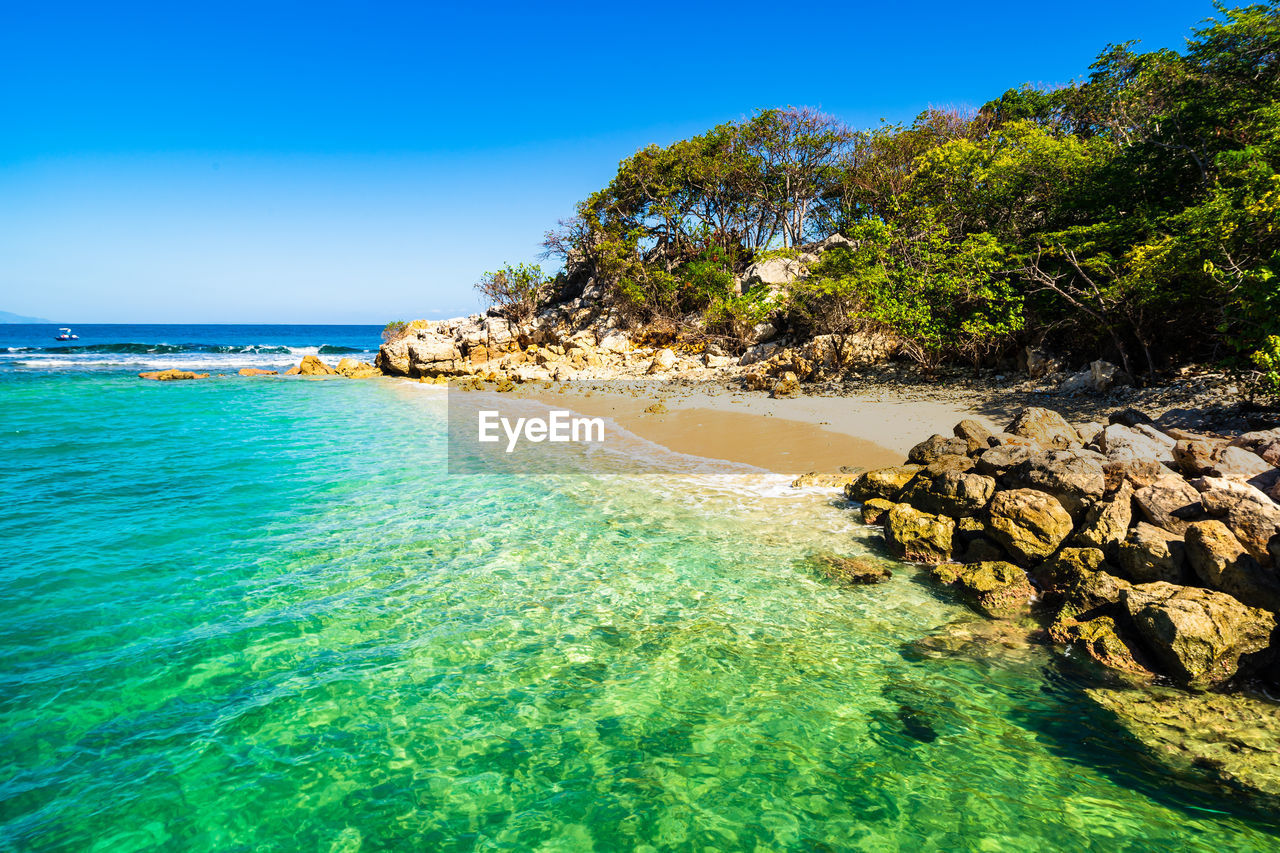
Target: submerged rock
1235, 740
1100, 639
850, 570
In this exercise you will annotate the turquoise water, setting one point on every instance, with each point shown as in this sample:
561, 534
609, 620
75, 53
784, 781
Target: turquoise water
258, 615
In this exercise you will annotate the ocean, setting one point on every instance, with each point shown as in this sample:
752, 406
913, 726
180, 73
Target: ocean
260, 615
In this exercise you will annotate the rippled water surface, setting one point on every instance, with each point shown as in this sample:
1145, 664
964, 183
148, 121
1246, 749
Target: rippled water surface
258, 615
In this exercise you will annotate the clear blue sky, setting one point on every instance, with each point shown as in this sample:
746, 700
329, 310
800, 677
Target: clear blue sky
358, 162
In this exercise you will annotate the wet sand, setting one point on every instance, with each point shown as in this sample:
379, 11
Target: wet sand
788, 436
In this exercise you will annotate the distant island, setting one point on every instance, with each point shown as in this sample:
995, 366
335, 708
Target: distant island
6, 317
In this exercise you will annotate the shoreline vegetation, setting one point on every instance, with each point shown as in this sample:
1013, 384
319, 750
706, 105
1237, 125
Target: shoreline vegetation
1109, 248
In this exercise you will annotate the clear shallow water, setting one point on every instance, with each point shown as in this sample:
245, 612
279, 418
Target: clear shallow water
258, 615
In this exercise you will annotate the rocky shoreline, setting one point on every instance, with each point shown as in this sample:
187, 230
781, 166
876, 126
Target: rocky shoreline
1149, 548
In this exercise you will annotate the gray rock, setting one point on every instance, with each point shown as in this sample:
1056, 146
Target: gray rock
950, 493
1071, 476
935, 446
1107, 522
1045, 427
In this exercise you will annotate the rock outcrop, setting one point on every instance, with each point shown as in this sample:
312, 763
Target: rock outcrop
171, 375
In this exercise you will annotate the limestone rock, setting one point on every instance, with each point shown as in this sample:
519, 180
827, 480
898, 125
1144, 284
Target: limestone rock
996, 588
1047, 428
312, 366
935, 446
787, 386
1234, 740
887, 483
1199, 636
171, 375
663, 361
1030, 525
850, 570
615, 342
1152, 554
774, 272
1169, 503
1253, 517
973, 434
256, 371
997, 460
1264, 443
949, 493
816, 479
393, 357
1100, 639
1128, 444
1222, 563
1106, 523
874, 510
918, 536
353, 369
1216, 458
433, 354
1071, 476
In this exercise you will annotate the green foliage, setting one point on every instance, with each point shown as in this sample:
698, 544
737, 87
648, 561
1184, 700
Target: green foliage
394, 331
1267, 360
1134, 215
514, 290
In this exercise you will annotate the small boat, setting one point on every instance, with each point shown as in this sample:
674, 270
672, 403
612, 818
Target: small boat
65, 335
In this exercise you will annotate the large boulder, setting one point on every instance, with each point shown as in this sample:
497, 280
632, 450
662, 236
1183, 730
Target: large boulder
949, 492
773, 273
663, 360
1029, 524
433, 354
1106, 522
1046, 428
1199, 636
1251, 515
353, 369
393, 357
887, 483
937, 446
996, 588
995, 461
1215, 458
1170, 503
919, 536
976, 436
1222, 563
1074, 477
1265, 443
1121, 443
312, 366
1150, 553
1101, 640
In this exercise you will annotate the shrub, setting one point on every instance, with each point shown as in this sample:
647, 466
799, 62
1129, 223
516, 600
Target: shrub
1267, 382
514, 290
394, 331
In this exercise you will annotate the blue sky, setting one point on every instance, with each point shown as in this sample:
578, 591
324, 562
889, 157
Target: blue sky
354, 162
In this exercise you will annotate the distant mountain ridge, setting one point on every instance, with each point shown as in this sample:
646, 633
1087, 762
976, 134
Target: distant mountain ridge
6, 317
